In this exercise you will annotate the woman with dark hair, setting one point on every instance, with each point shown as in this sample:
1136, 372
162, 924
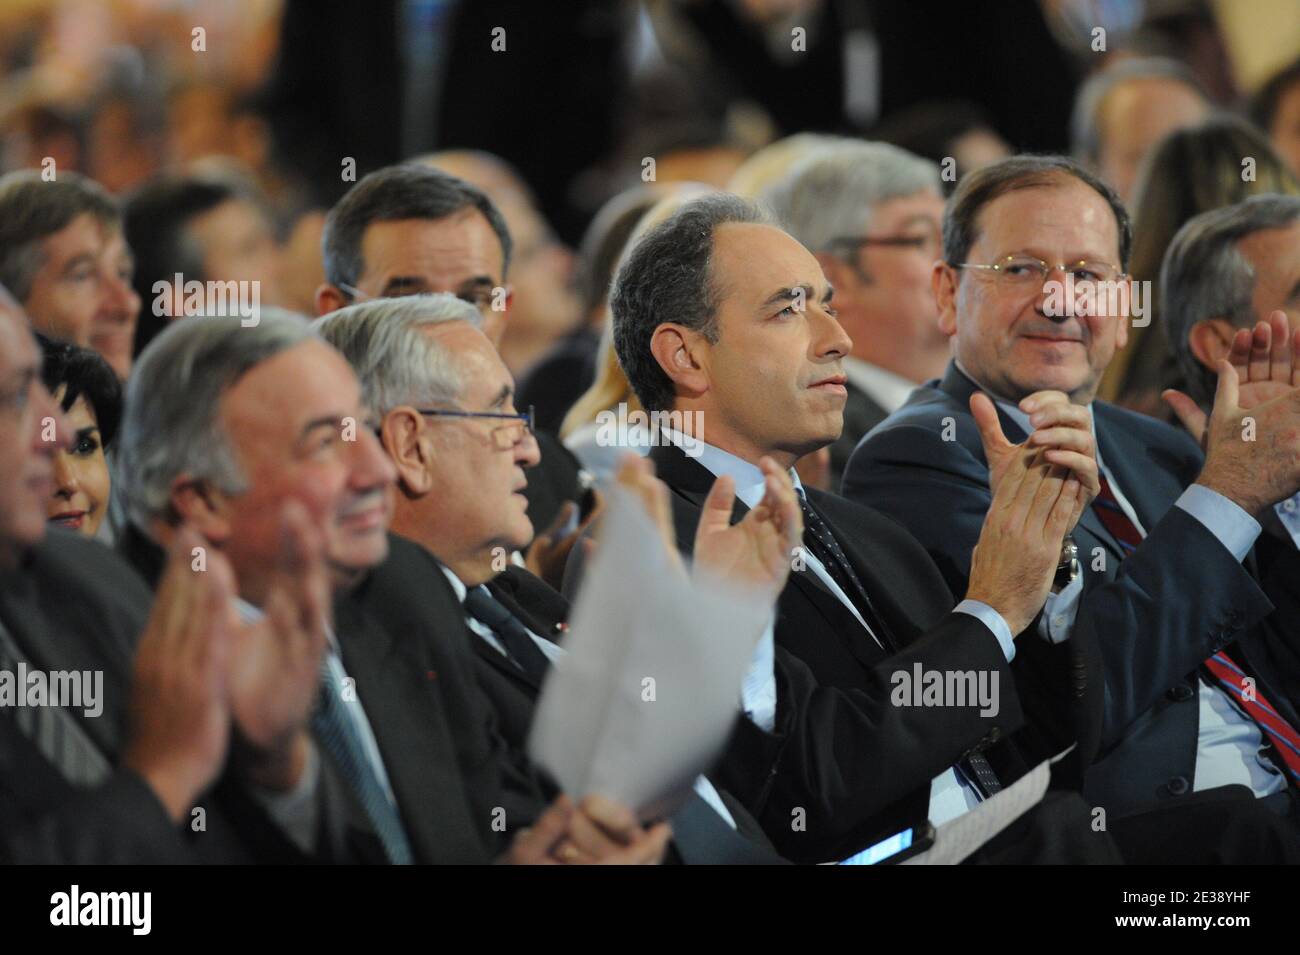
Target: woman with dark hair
91, 398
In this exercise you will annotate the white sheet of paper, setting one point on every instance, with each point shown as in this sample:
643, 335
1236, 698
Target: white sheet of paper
958, 838
650, 688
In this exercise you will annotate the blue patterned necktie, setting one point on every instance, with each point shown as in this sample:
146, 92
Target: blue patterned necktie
339, 736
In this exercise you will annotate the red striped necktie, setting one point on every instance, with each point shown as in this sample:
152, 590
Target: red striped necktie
1283, 736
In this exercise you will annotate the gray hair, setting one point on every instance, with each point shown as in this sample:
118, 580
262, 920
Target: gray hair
32, 209
829, 195
384, 342
169, 423
1085, 121
1204, 275
666, 277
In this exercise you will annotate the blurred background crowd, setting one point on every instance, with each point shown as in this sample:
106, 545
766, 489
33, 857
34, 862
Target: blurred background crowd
239, 123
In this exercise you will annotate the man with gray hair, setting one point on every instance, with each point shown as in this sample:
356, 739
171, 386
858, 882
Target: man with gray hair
1226, 270
64, 257
409, 229
1231, 277
1123, 110
131, 779
443, 400
227, 426
870, 213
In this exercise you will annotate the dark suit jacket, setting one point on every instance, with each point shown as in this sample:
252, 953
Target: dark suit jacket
560, 378
44, 820
858, 766
405, 642
1151, 618
552, 482
75, 605
861, 414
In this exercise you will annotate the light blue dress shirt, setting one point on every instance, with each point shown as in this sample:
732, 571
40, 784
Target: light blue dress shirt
1230, 745
950, 793
296, 811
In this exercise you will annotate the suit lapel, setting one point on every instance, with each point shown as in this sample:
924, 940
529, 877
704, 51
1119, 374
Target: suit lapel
410, 727
51, 648
960, 388
692, 480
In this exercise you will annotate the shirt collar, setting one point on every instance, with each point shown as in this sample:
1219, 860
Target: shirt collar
1019, 417
457, 584
887, 389
751, 486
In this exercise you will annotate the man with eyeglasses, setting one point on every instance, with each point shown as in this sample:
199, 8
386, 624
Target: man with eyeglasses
411, 229
871, 214
1159, 575
443, 400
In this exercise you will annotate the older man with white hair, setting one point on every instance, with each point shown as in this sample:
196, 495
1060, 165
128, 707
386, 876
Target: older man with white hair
227, 425
871, 214
444, 402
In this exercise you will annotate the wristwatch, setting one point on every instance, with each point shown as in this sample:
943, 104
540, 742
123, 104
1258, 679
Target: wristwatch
1068, 567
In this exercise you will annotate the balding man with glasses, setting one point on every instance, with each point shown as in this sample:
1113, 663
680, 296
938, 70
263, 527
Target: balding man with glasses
1158, 574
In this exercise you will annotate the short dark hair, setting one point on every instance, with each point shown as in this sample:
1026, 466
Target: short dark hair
84, 373
405, 191
155, 220
1264, 104
977, 189
1205, 276
31, 209
667, 277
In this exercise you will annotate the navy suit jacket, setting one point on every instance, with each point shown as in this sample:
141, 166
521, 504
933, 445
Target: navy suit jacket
1152, 618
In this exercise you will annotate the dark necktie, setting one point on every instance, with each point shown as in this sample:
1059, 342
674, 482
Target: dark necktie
338, 735
1221, 669
514, 636
821, 543
817, 537
55, 731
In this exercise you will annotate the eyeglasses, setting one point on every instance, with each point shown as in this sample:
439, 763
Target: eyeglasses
512, 433
1026, 270
931, 240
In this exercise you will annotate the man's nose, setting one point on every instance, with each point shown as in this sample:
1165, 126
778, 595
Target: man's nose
119, 296
832, 340
528, 454
372, 467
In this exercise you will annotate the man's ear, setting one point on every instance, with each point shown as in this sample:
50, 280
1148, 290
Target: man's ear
680, 352
943, 280
202, 506
406, 442
329, 298
1210, 340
